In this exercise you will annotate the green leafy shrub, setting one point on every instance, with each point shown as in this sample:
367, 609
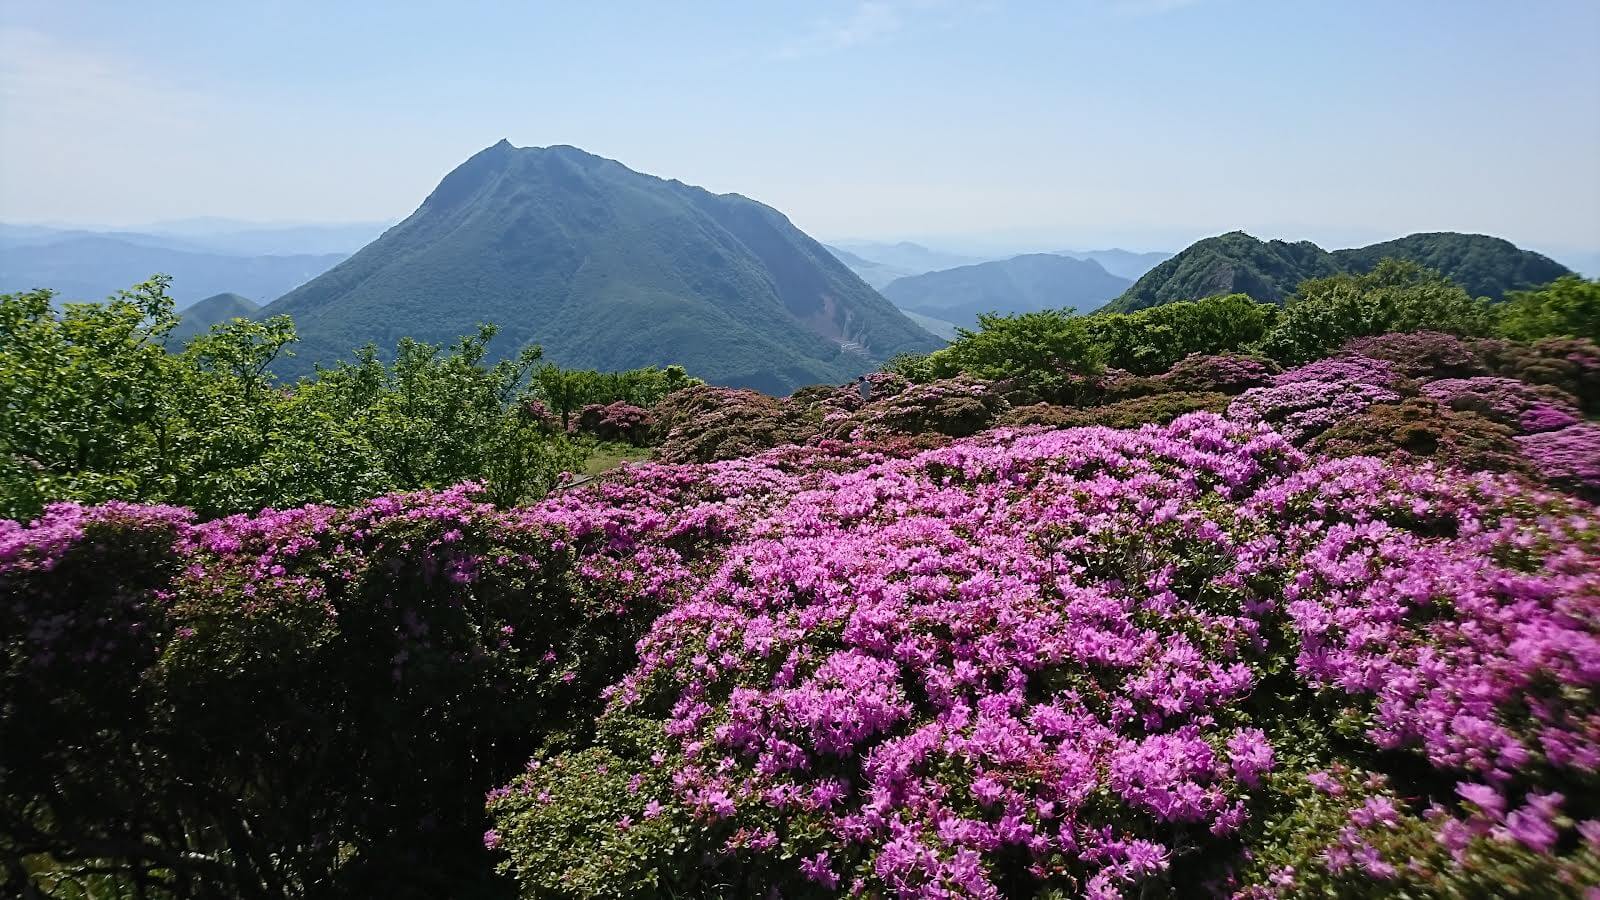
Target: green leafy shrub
1047, 352
1571, 364
1568, 307
1395, 297
1150, 341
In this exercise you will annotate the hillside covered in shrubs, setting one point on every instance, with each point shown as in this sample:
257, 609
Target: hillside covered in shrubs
1212, 599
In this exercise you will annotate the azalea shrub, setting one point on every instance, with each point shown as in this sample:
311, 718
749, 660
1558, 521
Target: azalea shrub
619, 421
953, 406
704, 423
1526, 408
1571, 365
1569, 457
1100, 663
1226, 373
312, 701
1157, 409
1419, 430
1420, 354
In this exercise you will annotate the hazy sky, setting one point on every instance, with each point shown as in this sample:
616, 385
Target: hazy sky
1098, 121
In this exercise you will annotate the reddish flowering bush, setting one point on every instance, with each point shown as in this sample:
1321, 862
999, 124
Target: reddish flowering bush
1157, 409
1420, 354
1419, 430
953, 406
1573, 365
1569, 457
618, 421
1528, 409
705, 423
1305, 407
1225, 373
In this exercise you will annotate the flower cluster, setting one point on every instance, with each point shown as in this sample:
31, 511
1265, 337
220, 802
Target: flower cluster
954, 406
1529, 409
1302, 407
1420, 354
1569, 457
619, 421
981, 670
1226, 373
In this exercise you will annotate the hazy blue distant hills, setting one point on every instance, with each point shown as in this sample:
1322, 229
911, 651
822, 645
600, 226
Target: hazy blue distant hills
1122, 263
242, 238
1270, 270
1024, 283
200, 316
604, 267
907, 257
874, 273
90, 266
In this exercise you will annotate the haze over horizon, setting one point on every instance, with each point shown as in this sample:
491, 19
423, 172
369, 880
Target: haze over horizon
1142, 123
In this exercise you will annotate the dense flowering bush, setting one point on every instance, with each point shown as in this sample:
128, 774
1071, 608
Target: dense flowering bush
1342, 369
1101, 663
704, 423
1227, 373
1527, 408
1569, 457
1419, 430
1420, 354
1157, 409
316, 696
619, 421
953, 406
1572, 365
1304, 408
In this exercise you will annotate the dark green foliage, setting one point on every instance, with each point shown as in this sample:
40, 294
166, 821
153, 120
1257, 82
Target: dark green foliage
1484, 266
1569, 307
606, 268
1157, 409
214, 310
1150, 341
1232, 263
93, 407
1027, 283
1048, 351
1420, 429
1271, 270
1394, 297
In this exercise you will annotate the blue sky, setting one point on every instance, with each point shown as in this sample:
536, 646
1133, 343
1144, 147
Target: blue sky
1080, 122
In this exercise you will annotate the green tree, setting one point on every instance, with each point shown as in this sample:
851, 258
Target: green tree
1395, 296
1150, 341
1567, 307
1046, 351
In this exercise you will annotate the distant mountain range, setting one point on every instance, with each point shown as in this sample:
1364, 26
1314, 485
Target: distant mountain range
81, 265
874, 273
1271, 270
1122, 263
905, 256
604, 267
213, 310
1026, 283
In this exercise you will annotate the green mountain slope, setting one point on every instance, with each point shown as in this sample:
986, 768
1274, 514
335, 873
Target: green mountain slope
1485, 266
1026, 283
608, 268
199, 317
1271, 270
